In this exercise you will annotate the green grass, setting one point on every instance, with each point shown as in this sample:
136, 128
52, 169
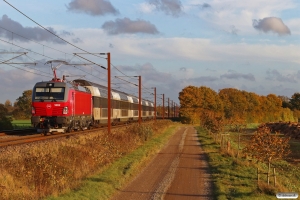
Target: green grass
233, 179
104, 184
17, 124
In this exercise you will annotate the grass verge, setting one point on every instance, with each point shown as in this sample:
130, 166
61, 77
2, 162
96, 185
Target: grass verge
105, 184
19, 124
237, 179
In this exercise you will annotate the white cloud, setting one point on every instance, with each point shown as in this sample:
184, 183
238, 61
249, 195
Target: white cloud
271, 24
146, 7
224, 14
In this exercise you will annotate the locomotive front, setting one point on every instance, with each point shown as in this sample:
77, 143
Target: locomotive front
58, 107
50, 106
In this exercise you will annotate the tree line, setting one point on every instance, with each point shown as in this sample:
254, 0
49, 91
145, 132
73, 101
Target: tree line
20, 109
199, 103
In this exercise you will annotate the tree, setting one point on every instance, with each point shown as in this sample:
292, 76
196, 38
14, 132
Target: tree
23, 110
194, 100
5, 122
267, 147
295, 101
8, 105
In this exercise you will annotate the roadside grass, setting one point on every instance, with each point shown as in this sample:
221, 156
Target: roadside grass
19, 124
237, 178
107, 182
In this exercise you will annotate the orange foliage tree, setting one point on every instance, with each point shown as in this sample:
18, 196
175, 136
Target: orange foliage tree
267, 147
194, 100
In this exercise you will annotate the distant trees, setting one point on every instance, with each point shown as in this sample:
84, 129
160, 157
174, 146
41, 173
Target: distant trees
23, 106
5, 121
233, 104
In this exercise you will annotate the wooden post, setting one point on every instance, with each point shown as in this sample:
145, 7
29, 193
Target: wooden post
228, 146
268, 174
238, 151
221, 142
274, 176
257, 177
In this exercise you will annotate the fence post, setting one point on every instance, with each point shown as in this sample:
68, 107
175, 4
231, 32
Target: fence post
238, 151
221, 142
228, 146
257, 176
274, 176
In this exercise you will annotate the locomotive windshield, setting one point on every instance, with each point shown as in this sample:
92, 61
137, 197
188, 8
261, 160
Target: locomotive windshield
47, 93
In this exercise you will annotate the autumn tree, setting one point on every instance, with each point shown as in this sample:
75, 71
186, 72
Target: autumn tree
195, 100
23, 104
295, 101
5, 121
285, 101
267, 147
235, 103
8, 105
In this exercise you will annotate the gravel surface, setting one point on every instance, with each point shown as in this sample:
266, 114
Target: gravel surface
179, 171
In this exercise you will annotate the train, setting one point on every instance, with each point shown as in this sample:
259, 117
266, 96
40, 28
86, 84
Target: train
64, 106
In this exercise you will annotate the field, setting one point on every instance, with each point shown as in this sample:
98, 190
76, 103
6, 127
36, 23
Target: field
236, 178
19, 124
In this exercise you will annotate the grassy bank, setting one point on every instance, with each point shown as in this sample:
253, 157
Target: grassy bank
237, 178
19, 124
53, 167
116, 175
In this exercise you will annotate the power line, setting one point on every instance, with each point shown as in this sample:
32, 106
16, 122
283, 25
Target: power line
27, 71
34, 41
26, 49
48, 30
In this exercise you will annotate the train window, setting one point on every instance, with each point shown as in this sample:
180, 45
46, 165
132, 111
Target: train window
49, 93
115, 104
57, 93
103, 103
96, 102
124, 105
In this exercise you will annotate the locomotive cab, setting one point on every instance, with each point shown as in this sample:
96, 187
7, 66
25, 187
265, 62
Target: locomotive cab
54, 108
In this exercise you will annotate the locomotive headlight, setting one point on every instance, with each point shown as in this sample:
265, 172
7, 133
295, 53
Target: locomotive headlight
32, 110
65, 110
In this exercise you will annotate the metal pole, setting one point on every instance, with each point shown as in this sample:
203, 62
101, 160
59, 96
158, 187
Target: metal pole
168, 107
163, 106
171, 109
108, 94
155, 104
140, 99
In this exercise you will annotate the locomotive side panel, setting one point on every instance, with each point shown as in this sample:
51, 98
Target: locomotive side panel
82, 103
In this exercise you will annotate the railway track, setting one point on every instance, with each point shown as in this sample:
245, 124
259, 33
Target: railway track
19, 138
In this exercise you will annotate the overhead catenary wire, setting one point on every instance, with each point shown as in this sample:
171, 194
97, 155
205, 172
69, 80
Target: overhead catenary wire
27, 70
35, 41
46, 28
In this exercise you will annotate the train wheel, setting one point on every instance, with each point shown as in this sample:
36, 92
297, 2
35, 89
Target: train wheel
68, 130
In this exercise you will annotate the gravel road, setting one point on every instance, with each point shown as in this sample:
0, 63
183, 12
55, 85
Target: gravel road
179, 171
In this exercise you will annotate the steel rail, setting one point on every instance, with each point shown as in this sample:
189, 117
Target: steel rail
36, 137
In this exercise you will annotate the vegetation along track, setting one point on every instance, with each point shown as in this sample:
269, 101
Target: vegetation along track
25, 137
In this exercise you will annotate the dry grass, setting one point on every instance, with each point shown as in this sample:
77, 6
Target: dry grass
53, 167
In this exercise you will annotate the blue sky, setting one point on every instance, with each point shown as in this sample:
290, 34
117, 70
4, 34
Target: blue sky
248, 45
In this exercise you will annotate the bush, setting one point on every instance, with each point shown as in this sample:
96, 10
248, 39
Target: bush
5, 123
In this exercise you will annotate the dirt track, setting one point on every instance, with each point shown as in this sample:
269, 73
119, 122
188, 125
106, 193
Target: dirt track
179, 171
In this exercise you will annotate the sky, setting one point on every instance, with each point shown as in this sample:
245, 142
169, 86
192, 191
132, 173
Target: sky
247, 45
